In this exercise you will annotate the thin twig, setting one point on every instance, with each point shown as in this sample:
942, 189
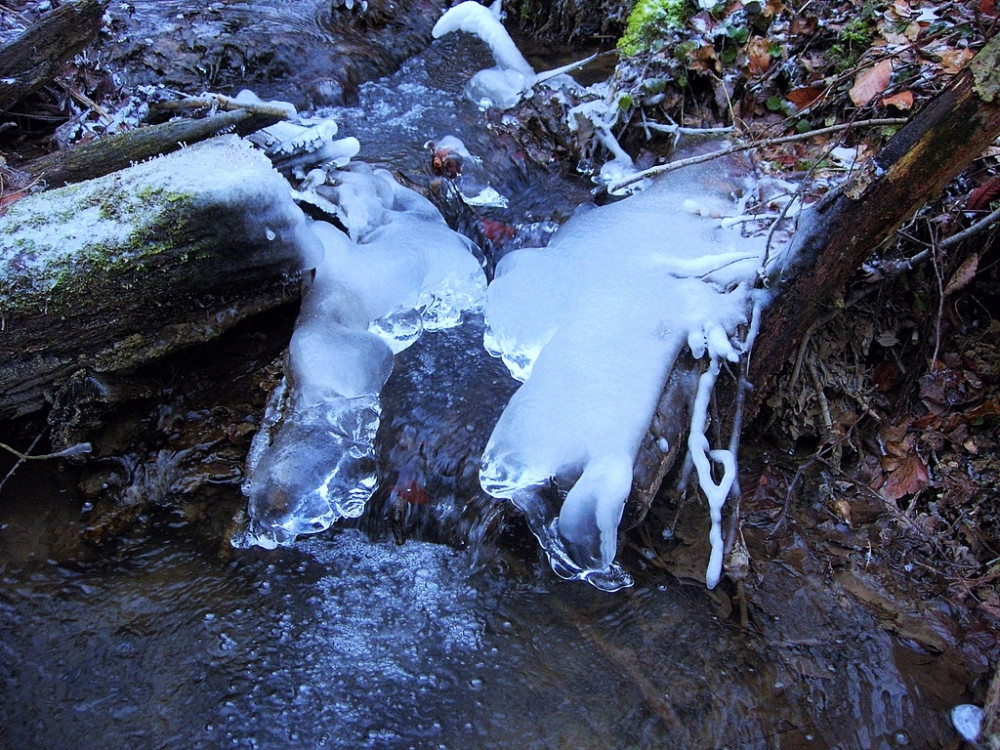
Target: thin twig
731, 149
546, 75
74, 450
661, 128
970, 231
940, 312
21, 457
85, 100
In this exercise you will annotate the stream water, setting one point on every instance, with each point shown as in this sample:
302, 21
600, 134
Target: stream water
350, 640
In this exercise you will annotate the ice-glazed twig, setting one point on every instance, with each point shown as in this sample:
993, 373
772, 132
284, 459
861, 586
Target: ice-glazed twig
568, 68
245, 100
732, 148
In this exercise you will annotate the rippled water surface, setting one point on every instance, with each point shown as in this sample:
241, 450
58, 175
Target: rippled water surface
169, 641
346, 642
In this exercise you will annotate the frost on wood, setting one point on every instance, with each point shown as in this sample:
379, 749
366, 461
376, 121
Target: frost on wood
593, 325
397, 271
108, 273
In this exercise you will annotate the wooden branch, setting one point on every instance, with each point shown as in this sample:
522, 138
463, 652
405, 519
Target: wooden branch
111, 153
990, 732
840, 232
734, 148
36, 56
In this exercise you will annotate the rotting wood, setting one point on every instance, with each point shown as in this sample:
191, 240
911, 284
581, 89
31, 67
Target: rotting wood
112, 153
102, 276
990, 731
842, 230
36, 56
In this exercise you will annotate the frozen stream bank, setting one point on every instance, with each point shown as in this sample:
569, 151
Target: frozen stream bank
345, 642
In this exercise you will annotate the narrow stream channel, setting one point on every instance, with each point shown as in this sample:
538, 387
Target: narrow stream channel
347, 641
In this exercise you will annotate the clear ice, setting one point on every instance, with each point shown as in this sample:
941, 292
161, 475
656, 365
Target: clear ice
397, 271
593, 324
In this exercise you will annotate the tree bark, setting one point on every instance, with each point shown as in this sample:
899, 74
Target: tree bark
106, 155
840, 232
105, 275
37, 55
990, 732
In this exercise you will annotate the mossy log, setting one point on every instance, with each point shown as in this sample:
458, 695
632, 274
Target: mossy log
106, 155
36, 56
107, 274
837, 235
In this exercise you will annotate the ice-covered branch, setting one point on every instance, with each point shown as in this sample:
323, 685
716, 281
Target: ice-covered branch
482, 22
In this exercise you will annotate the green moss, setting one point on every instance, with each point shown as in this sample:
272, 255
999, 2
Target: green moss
854, 38
57, 286
649, 22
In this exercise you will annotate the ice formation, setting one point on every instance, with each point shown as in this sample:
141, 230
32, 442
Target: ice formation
505, 84
593, 325
602, 114
502, 85
307, 142
466, 171
967, 720
397, 271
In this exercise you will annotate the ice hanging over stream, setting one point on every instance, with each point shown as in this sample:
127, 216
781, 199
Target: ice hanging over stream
397, 271
593, 324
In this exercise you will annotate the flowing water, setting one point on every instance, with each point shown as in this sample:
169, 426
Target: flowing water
350, 640
345, 642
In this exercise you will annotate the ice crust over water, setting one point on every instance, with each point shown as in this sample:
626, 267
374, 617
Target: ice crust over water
593, 325
398, 271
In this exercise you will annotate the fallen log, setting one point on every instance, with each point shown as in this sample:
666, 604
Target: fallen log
841, 231
110, 273
111, 153
37, 55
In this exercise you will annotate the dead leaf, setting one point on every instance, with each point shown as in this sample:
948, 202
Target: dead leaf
902, 101
963, 276
759, 55
885, 375
982, 196
802, 25
871, 82
953, 60
944, 391
908, 478
804, 96
773, 8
